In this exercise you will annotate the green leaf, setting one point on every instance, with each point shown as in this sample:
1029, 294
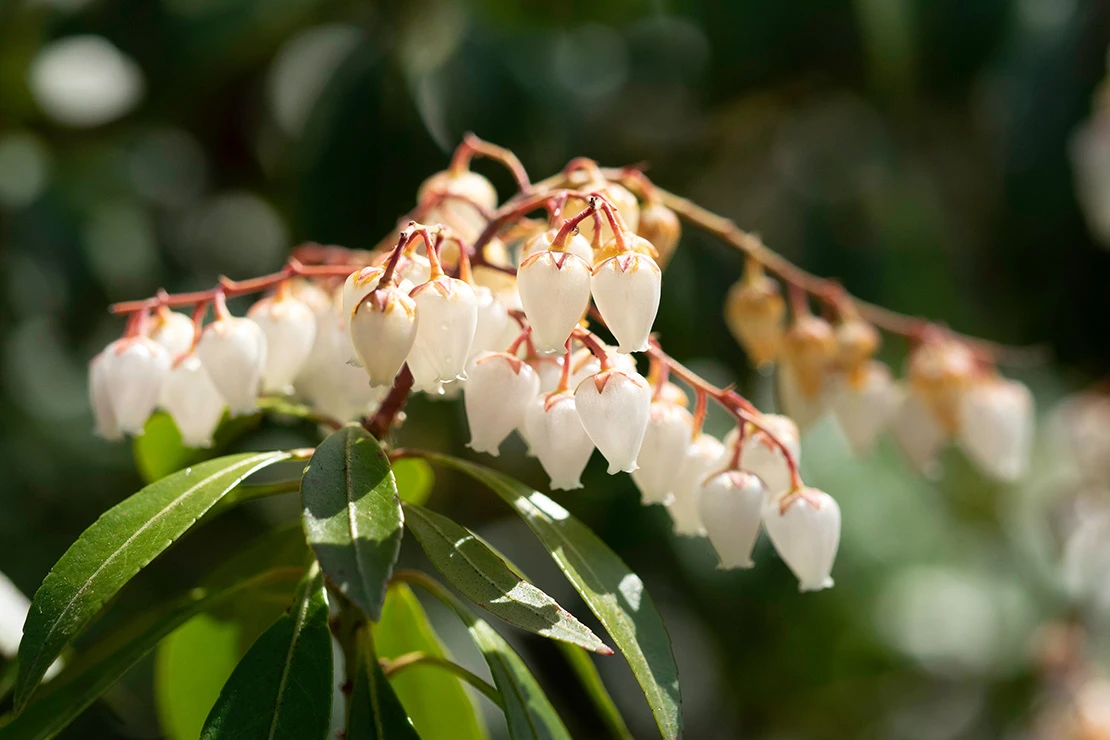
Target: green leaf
376, 712
614, 593
189, 668
283, 686
414, 480
583, 667
274, 560
116, 547
352, 516
158, 450
484, 578
437, 702
528, 711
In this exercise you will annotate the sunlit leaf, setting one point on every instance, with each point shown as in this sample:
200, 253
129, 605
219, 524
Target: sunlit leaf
116, 547
485, 579
376, 712
614, 593
437, 702
283, 685
190, 667
352, 516
158, 450
414, 480
274, 562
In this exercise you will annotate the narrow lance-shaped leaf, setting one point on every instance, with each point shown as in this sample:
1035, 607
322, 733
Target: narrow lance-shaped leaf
484, 578
283, 685
273, 562
116, 547
352, 516
528, 712
614, 593
437, 702
376, 712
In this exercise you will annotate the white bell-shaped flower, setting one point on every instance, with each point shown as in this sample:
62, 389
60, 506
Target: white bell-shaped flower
804, 409
704, 456
731, 507
626, 290
174, 331
555, 292
495, 329
425, 376
918, 432
549, 369
100, 399
383, 329
996, 427
448, 312
806, 534
460, 215
290, 329
864, 404
499, 390
666, 440
328, 382
355, 289
192, 401
614, 406
557, 438
416, 268
134, 369
576, 244
761, 456
233, 351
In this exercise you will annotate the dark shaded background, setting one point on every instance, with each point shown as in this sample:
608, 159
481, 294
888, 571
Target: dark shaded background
920, 150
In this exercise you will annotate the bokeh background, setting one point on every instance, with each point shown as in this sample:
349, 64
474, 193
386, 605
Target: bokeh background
945, 158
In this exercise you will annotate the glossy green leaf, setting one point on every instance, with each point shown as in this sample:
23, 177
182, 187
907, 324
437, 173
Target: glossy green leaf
415, 480
116, 547
190, 667
276, 561
583, 666
437, 702
158, 450
376, 712
352, 516
283, 686
614, 593
528, 712
484, 578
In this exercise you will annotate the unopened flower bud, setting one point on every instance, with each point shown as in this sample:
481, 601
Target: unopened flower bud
128, 374
762, 456
290, 329
557, 438
996, 427
458, 214
666, 439
704, 456
614, 406
448, 312
660, 226
857, 341
864, 404
626, 290
754, 313
806, 533
383, 329
730, 504
555, 292
939, 370
810, 348
174, 331
233, 351
192, 401
499, 390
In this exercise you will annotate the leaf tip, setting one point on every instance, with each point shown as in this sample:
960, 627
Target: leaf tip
604, 650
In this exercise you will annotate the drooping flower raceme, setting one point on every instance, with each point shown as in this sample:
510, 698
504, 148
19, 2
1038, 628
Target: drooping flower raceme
557, 437
805, 530
233, 351
614, 406
191, 399
499, 391
730, 504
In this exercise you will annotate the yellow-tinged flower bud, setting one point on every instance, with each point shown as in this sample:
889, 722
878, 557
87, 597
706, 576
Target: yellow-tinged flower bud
632, 242
940, 371
810, 349
754, 313
660, 226
857, 342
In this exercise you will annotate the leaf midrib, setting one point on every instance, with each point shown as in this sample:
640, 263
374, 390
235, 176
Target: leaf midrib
111, 558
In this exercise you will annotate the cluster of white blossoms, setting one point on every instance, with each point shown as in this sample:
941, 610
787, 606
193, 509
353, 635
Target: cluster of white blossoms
951, 392
498, 306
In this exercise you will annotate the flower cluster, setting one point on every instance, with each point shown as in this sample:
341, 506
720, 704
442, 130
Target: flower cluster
470, 296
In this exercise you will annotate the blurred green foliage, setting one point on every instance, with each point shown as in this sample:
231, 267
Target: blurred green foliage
915, 149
